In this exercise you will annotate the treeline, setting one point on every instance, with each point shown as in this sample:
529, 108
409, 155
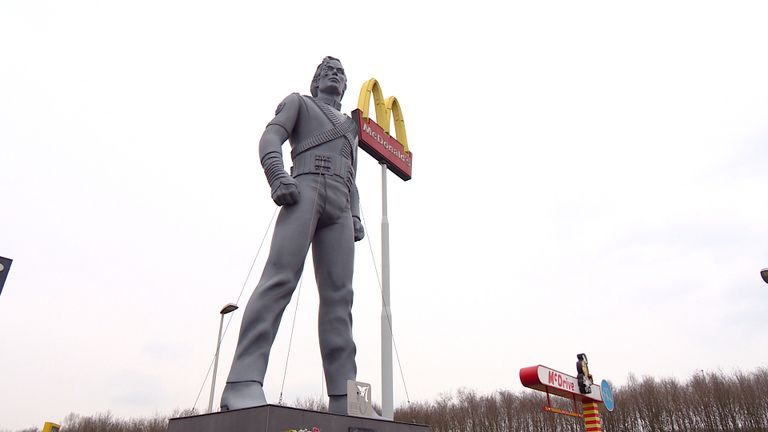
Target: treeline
466, 410
712, 401
706, 402
107, 422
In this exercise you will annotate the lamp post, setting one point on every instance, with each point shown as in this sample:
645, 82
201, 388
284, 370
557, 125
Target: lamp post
764, 274
230, 307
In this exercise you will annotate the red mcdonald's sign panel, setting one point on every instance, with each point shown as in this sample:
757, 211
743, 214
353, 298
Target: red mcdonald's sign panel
374, 135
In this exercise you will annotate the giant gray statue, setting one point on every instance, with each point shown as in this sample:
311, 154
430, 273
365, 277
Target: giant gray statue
320, 207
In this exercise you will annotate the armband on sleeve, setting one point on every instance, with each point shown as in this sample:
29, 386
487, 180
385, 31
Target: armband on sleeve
273, 168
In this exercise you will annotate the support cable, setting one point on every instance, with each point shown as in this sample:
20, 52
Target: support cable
296, 309
386, 309
245, 282
290, 340
322, 384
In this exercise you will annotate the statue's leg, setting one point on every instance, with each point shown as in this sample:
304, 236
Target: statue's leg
333, 253
290, 242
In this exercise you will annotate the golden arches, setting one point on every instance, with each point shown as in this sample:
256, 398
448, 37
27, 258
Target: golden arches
364, 101
385, 109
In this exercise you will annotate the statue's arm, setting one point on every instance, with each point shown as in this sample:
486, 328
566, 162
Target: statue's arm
284, 188
354, 201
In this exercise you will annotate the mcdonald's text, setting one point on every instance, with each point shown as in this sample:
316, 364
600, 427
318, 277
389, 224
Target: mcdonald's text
383, 147
385, 143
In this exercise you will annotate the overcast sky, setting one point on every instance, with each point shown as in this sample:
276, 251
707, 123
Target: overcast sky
588, 177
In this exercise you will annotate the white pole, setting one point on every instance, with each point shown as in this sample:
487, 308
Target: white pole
215, 365
387, 399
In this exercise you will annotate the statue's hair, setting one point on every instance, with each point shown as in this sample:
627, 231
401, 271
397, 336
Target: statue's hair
313, 87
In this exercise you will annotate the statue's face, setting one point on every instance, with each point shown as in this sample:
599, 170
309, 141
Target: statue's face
332, 78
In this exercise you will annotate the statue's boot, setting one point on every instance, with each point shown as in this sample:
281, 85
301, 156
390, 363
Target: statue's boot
243, 395
337, 405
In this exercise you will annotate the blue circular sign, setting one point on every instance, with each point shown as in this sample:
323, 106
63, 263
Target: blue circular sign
607, 393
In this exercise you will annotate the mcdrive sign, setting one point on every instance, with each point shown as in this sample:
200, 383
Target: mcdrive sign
555, 382
374, 135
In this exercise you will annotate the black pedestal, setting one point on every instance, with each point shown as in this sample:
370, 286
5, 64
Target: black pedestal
274, 418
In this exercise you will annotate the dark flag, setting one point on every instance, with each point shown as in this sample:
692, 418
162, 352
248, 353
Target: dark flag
5, 265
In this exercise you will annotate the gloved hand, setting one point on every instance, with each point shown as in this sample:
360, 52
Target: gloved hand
285, 191
359, 231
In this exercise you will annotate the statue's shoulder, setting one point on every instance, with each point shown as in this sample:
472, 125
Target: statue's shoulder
292, 102
305, 103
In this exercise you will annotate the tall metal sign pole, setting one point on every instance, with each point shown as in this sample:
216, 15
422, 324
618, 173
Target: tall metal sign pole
393, 154
387, 391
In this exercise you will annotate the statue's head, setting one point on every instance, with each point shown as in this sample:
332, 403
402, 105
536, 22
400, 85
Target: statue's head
329, 77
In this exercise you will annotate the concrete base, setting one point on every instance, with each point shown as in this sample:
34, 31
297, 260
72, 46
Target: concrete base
274, 418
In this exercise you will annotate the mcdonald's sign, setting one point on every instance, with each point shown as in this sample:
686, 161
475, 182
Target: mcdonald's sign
374, 135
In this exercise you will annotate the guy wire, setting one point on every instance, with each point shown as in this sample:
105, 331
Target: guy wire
290, 339
386, 309
296, 309
245, 282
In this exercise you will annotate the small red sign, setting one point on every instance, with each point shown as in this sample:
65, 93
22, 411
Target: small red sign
383, 147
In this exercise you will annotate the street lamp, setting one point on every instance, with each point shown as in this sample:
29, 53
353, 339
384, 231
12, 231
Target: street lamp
764, 274
230, 307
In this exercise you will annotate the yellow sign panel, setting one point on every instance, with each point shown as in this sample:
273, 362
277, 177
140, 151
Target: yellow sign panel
51, 427
385, 109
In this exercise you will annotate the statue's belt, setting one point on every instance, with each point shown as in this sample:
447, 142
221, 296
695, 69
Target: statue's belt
322, 163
